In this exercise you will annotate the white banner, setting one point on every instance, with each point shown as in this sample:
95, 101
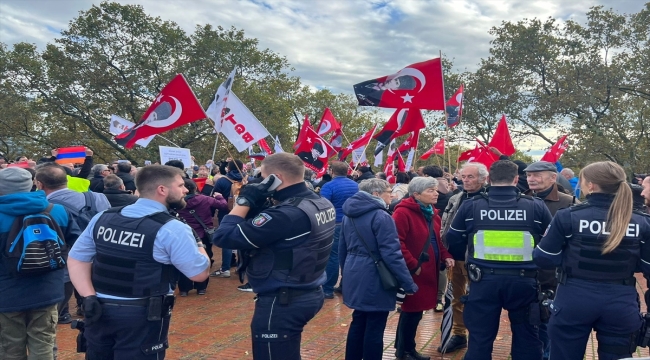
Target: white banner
220, 100
277, 147
409, 160
359, 155
379, 158
239, 126
119, 125
173, 153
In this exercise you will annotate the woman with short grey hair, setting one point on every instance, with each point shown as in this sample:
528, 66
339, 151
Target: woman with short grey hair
368, 231
420, 184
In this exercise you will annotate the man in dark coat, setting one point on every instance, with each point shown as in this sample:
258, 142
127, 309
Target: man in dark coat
99, 171
115, 192
124, 173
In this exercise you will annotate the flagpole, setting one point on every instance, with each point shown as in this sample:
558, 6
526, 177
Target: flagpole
460, 116
214, 151
169, 141
444, 101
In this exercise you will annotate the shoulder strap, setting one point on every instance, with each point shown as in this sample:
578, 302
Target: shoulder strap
89, 199
372, 255
426, 244
161, 217
193, 213
48, 209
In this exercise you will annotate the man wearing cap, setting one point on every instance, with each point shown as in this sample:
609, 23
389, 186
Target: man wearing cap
28, 305
541, 177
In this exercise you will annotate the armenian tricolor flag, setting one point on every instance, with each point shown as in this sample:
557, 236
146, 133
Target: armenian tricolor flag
71, 155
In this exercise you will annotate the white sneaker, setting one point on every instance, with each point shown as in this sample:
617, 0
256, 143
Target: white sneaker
220, 273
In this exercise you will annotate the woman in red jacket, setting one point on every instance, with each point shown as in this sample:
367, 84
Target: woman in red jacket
418, 228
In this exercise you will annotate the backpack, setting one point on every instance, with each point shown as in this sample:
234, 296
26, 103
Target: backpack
235, 189
83, 216
35, 245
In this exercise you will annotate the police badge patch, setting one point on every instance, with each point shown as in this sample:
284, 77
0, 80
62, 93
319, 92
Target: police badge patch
261, 219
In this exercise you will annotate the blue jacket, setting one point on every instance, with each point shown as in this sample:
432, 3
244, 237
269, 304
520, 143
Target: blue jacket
362, 289
34, 292
337, 191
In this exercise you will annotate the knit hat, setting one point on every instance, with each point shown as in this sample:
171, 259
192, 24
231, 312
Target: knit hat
15, 180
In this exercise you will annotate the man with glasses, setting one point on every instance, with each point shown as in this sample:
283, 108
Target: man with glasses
100, 171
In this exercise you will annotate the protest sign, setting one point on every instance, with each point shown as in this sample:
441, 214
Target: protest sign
168, 153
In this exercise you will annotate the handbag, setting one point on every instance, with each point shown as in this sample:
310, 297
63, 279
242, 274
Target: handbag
208, 231
388, 280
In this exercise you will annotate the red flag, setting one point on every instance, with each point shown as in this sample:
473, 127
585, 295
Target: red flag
454, 108
175, 106
554, 154
438, 148
364, 140
336, 141
303, 130
501, 139
484, 155
389, 170
410, 143
313, 151
468, 155
327, 123
417, 86
401, 165
264, 146
402, 122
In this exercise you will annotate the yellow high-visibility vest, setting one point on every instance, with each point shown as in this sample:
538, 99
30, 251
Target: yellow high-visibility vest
500, 245
78, 184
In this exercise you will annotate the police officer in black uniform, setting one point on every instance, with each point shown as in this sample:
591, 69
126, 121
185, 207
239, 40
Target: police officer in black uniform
124, 265
288, 245
499, 231
599, 245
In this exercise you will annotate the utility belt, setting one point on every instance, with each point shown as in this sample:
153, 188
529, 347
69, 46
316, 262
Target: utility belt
157, 306
475, 272
562, 276
286, 294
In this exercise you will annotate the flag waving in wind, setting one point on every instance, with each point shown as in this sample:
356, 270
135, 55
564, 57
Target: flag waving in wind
306, 125
217, 107
363, 141
175, 106
277, 146
454, 108
554, 154
327, 123
313, 151
501, 138
438, 148
402, 122
417, 86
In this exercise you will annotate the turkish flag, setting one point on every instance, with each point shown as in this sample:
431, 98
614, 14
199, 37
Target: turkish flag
554, 154
303, 130
454, 108
364, 140
336, 141
401, 165
313, 151
264, 146
468, 154
410, 143
417, 86
389, 170
501, 138
402, 122
438, 148
327, 123
484, 155
175, 106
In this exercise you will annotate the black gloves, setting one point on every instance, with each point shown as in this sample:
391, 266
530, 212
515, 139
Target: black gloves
92, 309
256, 194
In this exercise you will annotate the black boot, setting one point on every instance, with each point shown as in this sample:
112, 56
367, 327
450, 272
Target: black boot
456, 342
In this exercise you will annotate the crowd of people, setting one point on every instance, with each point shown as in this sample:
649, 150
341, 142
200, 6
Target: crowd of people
516, 236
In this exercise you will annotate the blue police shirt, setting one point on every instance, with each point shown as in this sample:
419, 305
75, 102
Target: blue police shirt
463, 224
174, 243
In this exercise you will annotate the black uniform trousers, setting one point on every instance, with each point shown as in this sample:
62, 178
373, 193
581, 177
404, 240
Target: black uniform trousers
123, 332
276, 329
482, 315
580, 306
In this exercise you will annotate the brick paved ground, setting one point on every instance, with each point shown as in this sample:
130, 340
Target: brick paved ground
221, 329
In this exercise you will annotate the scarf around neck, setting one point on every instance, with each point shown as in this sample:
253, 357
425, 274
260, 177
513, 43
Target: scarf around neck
427, 210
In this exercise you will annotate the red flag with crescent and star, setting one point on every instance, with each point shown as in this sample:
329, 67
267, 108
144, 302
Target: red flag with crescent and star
468, 155
454, 108
303, 130
364, 140
484, 155
438, 148
417, 86
328, 123
402, 122
336, 141
314, 152
175, 106
554, 154
501, 138
410, 143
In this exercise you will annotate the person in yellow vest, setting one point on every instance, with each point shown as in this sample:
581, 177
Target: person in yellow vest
499, 230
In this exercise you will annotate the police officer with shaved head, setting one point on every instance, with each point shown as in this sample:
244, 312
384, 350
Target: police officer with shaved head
288, 245
499, 231
124, 266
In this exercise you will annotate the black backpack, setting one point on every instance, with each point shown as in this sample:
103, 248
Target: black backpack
34, 245
83, 216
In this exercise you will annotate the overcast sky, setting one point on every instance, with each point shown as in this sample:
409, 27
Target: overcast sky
331, 43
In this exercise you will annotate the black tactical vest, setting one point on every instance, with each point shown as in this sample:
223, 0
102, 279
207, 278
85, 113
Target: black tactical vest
583, 256
124, 265
494, 221
304, 263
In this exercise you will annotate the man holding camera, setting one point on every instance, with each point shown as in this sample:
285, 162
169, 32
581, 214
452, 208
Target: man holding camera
287, 246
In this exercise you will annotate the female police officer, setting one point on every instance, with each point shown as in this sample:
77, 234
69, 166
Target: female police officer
597, 245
